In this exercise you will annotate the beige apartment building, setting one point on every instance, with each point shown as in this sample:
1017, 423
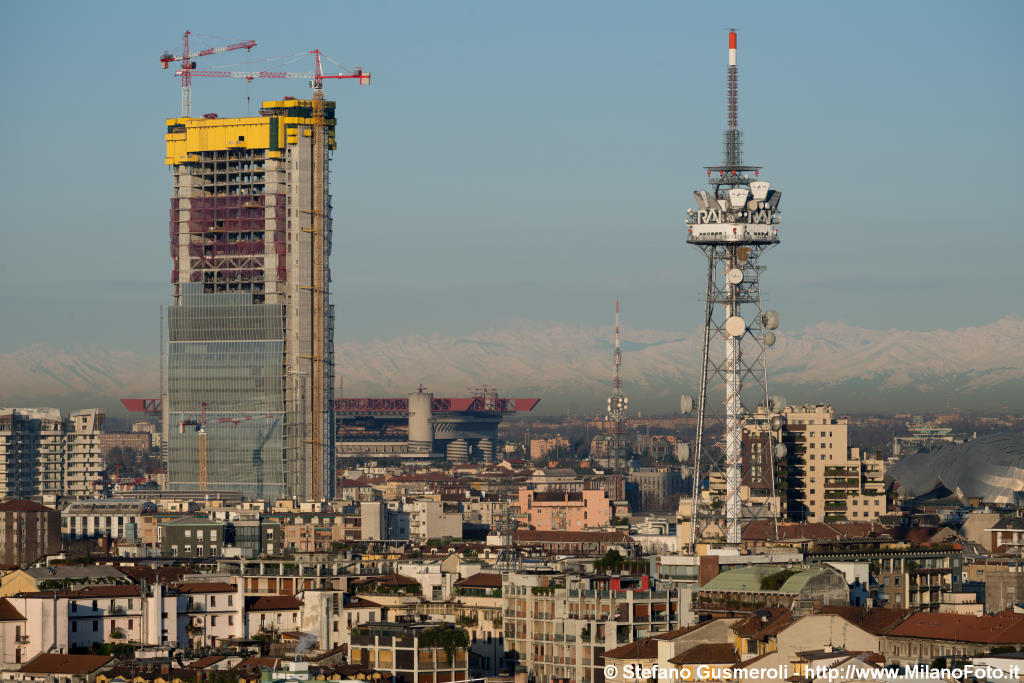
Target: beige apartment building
42, 452
558, 626
819, 477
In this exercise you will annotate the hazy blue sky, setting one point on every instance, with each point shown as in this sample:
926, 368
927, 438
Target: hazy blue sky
534, 159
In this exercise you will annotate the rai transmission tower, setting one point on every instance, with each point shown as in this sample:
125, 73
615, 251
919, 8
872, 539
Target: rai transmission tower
617, 405
734, 225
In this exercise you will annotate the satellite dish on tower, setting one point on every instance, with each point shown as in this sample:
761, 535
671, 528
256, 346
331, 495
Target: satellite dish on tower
734, 276
735, 326
780, 450
778, 403
685, 404
778, 422
771, 319
769, 339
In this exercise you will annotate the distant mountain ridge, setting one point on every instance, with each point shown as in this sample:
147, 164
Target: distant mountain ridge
570, 367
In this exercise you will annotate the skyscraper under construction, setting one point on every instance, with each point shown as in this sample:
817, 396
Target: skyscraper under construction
250, 360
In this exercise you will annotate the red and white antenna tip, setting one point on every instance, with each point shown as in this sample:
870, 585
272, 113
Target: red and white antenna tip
732, 48
616, 305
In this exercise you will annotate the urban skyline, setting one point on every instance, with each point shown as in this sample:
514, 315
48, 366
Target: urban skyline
331, 473
437, 222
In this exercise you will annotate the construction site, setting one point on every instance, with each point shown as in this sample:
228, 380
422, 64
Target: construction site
249, 352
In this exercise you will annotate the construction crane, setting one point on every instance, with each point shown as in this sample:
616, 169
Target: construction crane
188, 65
318, 280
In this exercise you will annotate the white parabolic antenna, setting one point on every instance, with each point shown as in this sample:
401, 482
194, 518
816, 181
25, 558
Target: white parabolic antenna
735, 326
685, 404
769, 338
734, 276
771, 319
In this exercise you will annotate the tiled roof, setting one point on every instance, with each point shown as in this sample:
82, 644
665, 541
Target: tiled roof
65, 664
763, 623
273, 603
480, 580
876, 621
1004, 628
206, 661
645, 648
361, 603
9, 612
389, 580
15, 505
708, 653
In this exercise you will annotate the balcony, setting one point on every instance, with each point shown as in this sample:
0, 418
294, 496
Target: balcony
21, 639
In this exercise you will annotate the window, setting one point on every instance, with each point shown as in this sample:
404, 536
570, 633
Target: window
188, 533
131, 624
74, 627
199, 534
231, 620
213, 601
213, 621
95, 625
230, 600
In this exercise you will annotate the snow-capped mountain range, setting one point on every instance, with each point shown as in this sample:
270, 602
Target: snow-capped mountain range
570, 367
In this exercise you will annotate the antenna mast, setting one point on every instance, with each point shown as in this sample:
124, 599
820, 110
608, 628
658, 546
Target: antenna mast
617, 404
733, 225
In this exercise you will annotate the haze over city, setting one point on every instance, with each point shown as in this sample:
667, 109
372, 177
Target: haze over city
517, 366
532, 163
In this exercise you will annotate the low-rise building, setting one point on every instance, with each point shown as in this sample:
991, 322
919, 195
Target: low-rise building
215, 611
115, 519
907, 576
411, 653
924, 637
800, 589
559, 510
192, 537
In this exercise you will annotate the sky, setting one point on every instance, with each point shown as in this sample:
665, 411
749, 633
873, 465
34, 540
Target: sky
533, 160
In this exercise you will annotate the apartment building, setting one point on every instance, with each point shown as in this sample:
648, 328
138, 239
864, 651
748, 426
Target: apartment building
45, 453
56, 621
409, 653
819, 477
907, 576
562, 510
558, 625
28, 532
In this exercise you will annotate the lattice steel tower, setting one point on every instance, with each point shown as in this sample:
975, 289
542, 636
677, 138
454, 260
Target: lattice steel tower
618, 403
734, 225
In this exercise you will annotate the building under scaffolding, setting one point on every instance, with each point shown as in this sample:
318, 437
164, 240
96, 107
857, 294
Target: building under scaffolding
250, 365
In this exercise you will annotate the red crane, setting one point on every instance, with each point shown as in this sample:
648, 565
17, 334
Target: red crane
188, 66
316, 77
